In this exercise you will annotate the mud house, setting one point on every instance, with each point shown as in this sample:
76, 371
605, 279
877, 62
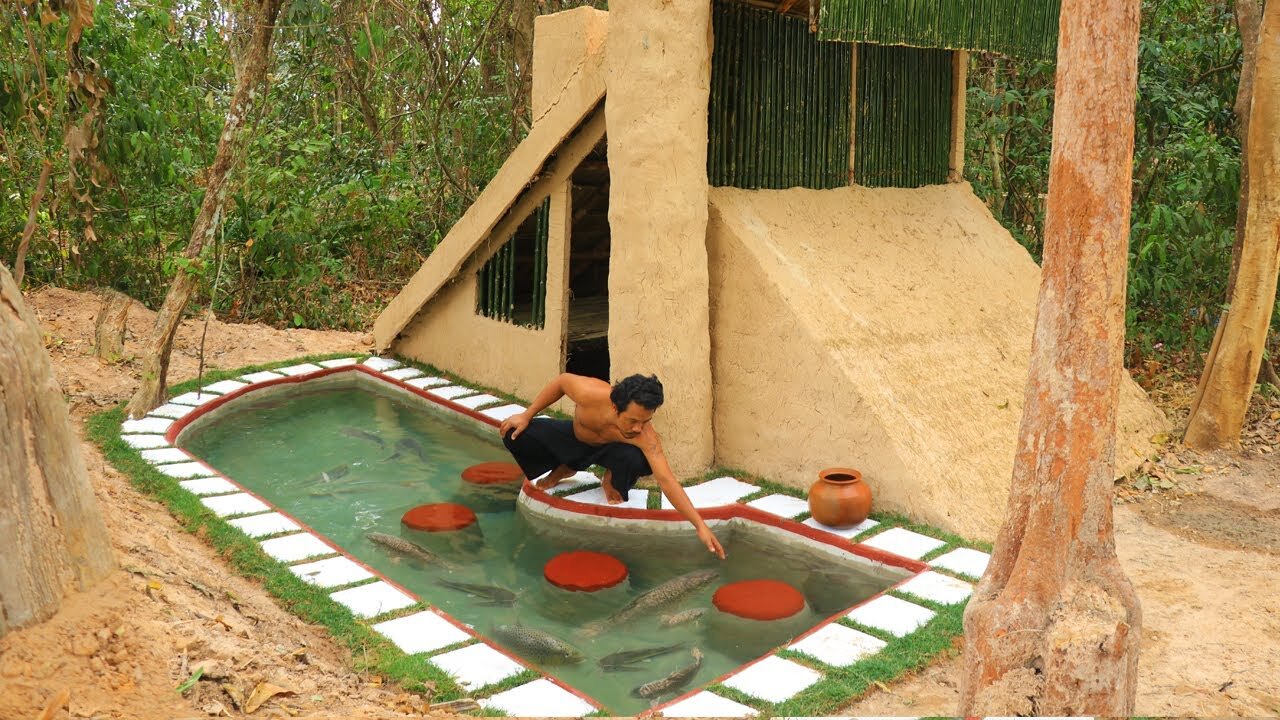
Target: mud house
763, 204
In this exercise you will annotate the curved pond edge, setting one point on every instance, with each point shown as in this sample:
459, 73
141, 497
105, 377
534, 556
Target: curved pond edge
923, 609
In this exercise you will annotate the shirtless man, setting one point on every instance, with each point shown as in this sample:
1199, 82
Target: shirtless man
610, 428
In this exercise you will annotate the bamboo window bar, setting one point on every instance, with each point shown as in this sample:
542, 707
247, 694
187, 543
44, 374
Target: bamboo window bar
512, 284
903, 116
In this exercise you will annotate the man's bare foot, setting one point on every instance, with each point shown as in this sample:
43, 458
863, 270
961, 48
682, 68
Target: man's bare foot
554, 478
611, 496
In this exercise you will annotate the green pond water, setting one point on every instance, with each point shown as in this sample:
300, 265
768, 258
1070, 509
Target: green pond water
348, 456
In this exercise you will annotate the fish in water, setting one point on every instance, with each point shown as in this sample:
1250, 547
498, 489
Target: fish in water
626, 659
493, 596
413, 447
334, 473
537, 645
681, 618
676, 680
406, 547
661, 596
363, 435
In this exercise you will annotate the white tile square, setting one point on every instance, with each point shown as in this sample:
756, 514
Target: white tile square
637, 498
209, 486
238, 504
405, 373
892, 615
477, 401
194, 399
502, 412
781, 505
427, 382
904, 542
423, 632
260, 376
773, 679
540, 698
331, 572
146, 425
578, 479
938, 588
381, 364
965, 561
450, 392
172, 411
846, 533
160, 456
303, 369
475, 666
224, 387
186, 470
339, 362
707, 704
256, 526
142, 442
292, 548
374, 599
720, 491
837, 645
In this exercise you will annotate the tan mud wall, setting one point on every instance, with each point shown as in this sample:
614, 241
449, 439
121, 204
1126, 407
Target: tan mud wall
450, 335
657, 79
884, 329
565, 44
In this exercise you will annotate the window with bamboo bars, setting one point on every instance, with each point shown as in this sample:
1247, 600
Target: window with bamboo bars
902, 125
512, 285
1018, 28
779, 108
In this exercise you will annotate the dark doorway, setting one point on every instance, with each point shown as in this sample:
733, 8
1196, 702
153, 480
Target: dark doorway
587, 343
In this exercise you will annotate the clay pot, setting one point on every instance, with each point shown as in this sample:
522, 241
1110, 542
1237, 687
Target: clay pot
839, 498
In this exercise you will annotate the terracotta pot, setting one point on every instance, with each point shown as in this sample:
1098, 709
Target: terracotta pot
839, 498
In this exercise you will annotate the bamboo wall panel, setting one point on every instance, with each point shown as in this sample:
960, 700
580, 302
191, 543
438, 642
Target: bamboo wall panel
903, 117
1019, 28
500, 291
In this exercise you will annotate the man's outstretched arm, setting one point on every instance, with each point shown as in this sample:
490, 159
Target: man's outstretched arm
651, 444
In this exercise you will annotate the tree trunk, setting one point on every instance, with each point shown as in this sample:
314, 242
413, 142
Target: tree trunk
109, 327
1231, 371
33, 212
261, 17
51, 530
1053, 626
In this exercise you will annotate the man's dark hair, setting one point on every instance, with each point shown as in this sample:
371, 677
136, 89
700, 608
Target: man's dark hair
644, 390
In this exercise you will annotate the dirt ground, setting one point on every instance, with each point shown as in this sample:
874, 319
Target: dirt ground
1198, 535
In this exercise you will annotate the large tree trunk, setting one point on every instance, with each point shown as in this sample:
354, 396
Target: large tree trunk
1054, 624
260, 18
51, 531
1231, 368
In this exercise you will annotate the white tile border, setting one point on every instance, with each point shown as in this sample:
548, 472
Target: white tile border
299, 546
209, 486
405, 373
540, 698
161, 456
297, 370
892, 615
260, 377
476, 666
837, 645
937, 587
705, 703
331, 572
374, 599
381, 364
906, 543
144, 442
256, 526
238, 504
965, 561
339, 362
422, 632
224, 387
773, 679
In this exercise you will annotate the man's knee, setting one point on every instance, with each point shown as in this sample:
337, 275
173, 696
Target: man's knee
630, 460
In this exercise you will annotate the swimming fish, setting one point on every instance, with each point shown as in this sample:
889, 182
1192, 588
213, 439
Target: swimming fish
363, 435
334, 473
676, 680
493, 596
625, 659
537, 645
663, 595
410, 445
406, 547
681, 618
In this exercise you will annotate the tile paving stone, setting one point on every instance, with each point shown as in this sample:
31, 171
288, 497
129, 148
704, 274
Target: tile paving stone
892, 615
292, 548
381, 364
339, 362
405, 373
837, 645
194, 399
426, 382
223, 387
160, 456
477, 401
578, 479
141, 442
781, 505
719, 491
540, 698
146, 425
374, 599
238, 504
707, 704
423, 632
186, 470
846, 533
475, 666
965, 561
906, 543
209, 486
938, 588
173, 411
502, 412
303, 369
638, 499
261, 376
331, 572
262, 525
451, 391
773, 679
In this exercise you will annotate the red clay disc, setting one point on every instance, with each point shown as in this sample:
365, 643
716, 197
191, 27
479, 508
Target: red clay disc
439, 516
759, 599
493, 473
585, 571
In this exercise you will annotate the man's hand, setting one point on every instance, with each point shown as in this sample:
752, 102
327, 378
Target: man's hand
709, 539
514, 424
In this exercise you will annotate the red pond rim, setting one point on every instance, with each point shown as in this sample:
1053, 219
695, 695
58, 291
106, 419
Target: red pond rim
438, 517
759, 599
584, 571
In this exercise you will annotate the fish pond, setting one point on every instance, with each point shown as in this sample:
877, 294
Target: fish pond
349, 455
